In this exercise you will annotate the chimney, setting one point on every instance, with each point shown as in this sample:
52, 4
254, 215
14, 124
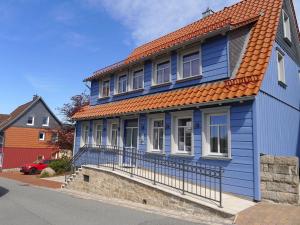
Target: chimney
35, 97
207, 13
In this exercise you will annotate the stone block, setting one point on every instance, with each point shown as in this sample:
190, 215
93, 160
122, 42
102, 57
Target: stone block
265, 176
281, 160
282, 187
267, 159
282, 169
280, 197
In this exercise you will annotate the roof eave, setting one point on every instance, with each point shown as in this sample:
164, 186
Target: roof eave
219, 102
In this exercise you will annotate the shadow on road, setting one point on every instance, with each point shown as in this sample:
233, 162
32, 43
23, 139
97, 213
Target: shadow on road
3, 191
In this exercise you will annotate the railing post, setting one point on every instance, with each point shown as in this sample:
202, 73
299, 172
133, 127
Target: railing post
220, 180
154, 176
114, 156
183, 178
98, 163
131, 169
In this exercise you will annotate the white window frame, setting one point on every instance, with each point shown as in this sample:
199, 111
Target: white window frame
206, 132
154, 69
109, 131
95, 124
101, 82
281, 73
174, 127
180, 62
30, 124
136, 69
47, 124
287, 31
44, 136
151, 120
82, 142
124, 73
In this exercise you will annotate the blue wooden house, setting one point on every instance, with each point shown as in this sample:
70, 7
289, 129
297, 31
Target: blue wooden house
220, 91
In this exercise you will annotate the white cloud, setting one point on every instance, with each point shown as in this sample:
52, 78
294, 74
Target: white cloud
149, 19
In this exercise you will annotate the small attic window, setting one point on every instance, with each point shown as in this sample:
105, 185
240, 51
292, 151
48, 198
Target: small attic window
30, 120
286, 27
281, 68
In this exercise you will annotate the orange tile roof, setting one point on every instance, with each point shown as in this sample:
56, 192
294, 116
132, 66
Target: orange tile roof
248, 78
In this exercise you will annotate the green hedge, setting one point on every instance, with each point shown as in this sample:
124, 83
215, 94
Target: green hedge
61, 165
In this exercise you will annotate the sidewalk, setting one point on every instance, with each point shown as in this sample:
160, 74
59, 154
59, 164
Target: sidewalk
269, 214
31, 179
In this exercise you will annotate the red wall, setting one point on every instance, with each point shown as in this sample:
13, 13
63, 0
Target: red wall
16, 157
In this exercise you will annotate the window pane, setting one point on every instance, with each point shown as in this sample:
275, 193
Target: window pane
161, 139
188, 140
219, 119
195, 68
214, 139
190, 57
223, 140
166, 75
158, 123
155, 139
181, 139
186, 70
185, 122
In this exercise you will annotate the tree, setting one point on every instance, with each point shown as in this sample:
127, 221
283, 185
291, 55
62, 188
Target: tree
69, 109
65, 135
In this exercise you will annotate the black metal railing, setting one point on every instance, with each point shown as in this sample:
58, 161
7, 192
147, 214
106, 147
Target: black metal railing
187, 177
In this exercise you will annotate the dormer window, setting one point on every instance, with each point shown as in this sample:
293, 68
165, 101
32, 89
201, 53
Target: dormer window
286, 27
163, 73
30, 121
105, 89
191, 65
122, 84
45, 121
138, 79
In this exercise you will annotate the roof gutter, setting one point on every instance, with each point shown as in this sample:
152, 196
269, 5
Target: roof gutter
221, 102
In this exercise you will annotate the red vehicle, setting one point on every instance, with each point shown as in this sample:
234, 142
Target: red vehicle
35, 167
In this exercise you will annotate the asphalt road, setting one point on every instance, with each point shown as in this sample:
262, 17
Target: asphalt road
21, 204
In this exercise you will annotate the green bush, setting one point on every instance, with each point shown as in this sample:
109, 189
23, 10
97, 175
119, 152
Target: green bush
45, 174
61, 165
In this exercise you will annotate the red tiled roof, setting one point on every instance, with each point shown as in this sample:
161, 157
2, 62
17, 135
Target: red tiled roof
248, 78
19, 110
3, 117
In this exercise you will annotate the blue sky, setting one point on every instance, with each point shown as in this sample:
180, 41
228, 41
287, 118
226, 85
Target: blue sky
47, 47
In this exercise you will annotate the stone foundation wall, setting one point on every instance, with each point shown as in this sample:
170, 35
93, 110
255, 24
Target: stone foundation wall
280, 179
111, 185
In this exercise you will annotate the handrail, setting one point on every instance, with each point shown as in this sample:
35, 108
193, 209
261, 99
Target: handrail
188, 177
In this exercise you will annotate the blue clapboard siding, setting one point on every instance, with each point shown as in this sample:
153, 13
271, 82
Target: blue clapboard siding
214, 55
239, 171
278, 112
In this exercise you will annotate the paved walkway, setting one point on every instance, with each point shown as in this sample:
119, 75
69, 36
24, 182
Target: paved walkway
269, 214
31, 179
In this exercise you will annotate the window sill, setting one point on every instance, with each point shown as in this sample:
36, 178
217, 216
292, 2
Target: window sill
103, 98
161, 85
282, 84
212, 157
189, 78
155, 153
129, 92
183, 155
